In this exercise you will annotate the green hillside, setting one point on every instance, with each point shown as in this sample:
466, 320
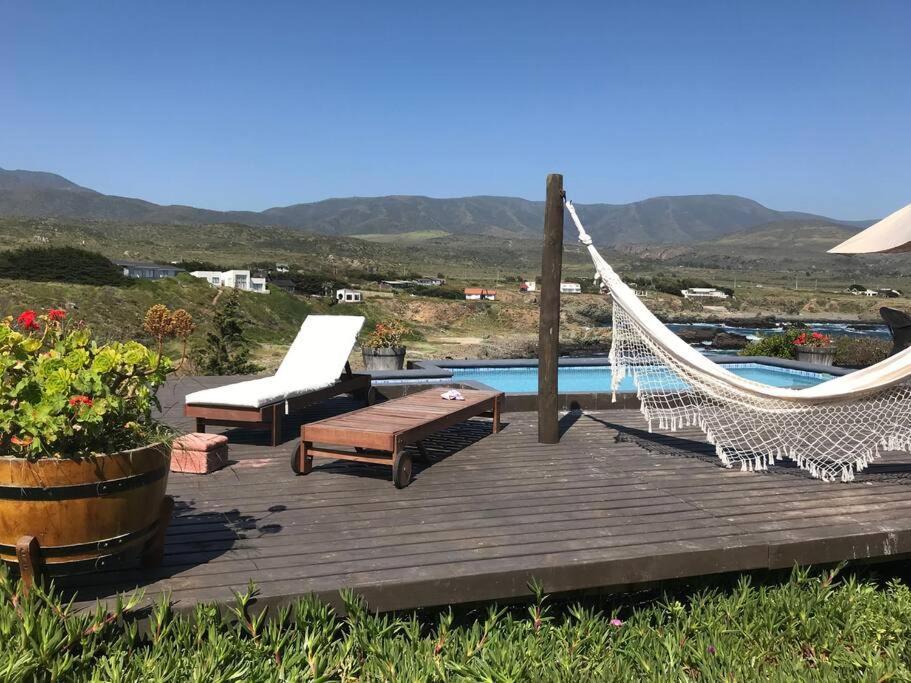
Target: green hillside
117, 312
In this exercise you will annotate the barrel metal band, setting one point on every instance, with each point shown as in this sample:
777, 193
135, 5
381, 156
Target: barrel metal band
72, 491
89, 546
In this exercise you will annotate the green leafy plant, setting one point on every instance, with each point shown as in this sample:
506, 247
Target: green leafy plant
226, 350
64, 395
386, 335
851, 352
780, 345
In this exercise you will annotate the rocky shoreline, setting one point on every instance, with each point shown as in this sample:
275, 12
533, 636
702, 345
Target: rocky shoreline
768, 322
714, 337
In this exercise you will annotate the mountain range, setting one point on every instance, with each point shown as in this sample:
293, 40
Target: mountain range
659, 220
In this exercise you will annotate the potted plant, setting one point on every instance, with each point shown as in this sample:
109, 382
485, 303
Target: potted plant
83, 464
382, 349
815, 347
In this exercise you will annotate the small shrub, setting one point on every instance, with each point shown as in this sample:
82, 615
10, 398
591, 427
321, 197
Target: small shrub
226, 350
853, 352
60, 264
436, 292
779, 345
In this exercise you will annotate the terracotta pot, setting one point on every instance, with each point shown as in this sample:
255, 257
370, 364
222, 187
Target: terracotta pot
389, 358
86, 513
824, 355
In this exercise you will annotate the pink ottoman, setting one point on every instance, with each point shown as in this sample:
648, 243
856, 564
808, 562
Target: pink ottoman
198, 453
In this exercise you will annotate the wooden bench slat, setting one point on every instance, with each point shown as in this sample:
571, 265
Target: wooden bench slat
392, 425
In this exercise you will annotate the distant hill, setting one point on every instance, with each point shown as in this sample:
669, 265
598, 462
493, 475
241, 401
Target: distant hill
792, 244
676, 220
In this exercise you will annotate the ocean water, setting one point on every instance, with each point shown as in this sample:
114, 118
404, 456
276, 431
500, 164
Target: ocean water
857, 330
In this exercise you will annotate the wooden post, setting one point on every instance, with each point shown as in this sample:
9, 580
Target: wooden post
549, 313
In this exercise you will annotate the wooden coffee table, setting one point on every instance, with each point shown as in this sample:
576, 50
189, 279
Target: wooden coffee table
379, 433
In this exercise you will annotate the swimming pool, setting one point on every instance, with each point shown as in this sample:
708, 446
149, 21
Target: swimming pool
597, 378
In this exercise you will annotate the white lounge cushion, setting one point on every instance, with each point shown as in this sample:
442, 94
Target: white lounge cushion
316, 359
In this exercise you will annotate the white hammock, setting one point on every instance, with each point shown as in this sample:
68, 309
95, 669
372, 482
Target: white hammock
831, 429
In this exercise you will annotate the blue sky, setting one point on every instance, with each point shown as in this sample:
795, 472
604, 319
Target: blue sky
246, 105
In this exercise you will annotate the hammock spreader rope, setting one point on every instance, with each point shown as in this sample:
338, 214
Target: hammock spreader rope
832, 429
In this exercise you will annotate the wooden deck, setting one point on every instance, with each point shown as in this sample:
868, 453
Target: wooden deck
610, 505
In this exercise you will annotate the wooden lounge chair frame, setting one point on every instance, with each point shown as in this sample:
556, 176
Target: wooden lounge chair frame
269, 416
387, 447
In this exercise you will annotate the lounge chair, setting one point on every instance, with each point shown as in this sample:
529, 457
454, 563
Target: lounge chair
314, 369
899, 324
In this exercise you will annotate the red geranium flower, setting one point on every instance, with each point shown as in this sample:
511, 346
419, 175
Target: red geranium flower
56, 314
80, 400
27, 320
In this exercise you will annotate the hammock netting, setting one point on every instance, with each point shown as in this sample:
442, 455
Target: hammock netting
831, 430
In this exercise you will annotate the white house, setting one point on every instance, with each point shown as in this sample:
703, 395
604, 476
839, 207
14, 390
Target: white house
703, 293
570, 288
528, 286
349, 296
236, 279
477, 293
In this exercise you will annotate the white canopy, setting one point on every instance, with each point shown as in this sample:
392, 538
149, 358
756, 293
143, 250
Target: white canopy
890, 235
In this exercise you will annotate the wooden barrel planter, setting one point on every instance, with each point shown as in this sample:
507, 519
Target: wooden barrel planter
384, 358
62, 516
818, 355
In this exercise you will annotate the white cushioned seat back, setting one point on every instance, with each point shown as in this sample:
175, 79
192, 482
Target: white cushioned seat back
319, 352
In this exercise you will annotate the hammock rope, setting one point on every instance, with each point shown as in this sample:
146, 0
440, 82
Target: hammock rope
831, 430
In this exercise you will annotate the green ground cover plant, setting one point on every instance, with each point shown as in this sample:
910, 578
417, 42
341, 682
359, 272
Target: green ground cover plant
811, 626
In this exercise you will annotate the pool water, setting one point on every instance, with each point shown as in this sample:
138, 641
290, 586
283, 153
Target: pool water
597, 378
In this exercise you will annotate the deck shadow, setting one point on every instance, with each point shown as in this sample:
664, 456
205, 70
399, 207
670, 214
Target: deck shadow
680, 447
193, 538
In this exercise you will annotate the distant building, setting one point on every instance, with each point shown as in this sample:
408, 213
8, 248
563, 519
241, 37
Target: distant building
528, 286
396, 284
703, 293
349, 296
281, 268
147, 271
888, 293
284, 284
570, 288
236, 279
479, 293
